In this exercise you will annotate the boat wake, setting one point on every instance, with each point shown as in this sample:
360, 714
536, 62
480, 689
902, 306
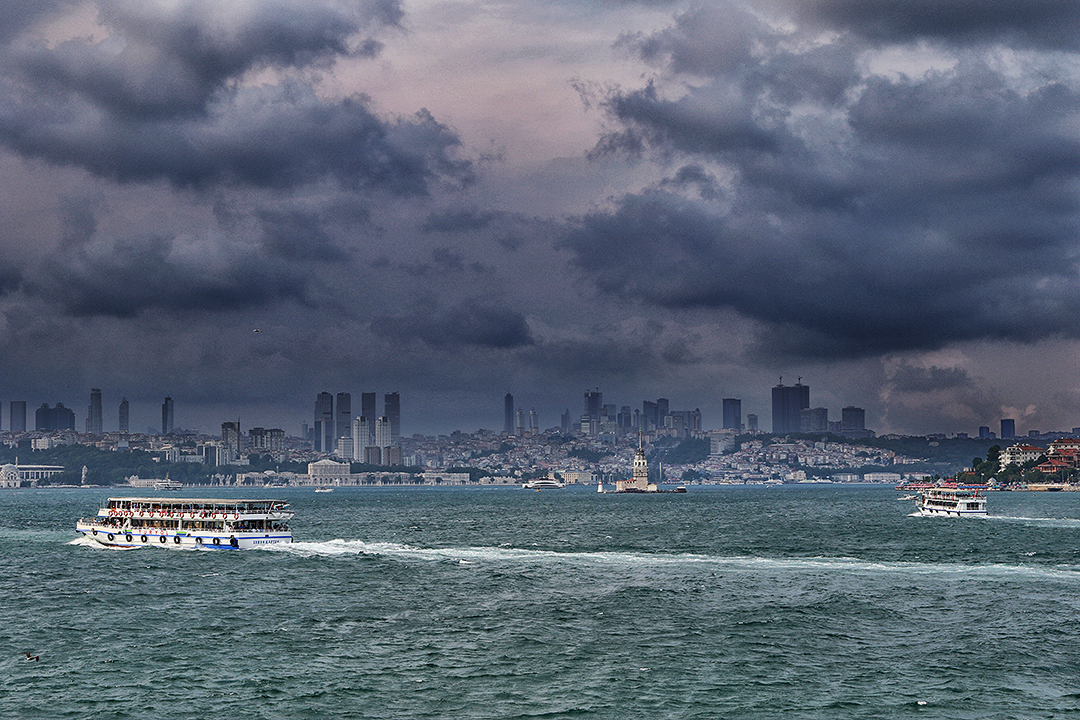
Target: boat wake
500, 556
1039, 521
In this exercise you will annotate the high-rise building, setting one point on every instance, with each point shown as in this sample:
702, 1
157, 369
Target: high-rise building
663, 409
125, 416
534, 422
520, 423
167, 416
324, 422
17, 410
363, 437
1008, 429
257, 436
275, 440
384, 434
392, 403
230, 437
93, 414
49, 419
594, 404
650, 416
565, 422
732, 414
788, 402
814, 420
751, 422
852, 419
367, 409
984, 432
508, 414
344, 416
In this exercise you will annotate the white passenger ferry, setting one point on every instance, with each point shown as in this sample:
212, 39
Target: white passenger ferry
543, 484
188, 523
951, 501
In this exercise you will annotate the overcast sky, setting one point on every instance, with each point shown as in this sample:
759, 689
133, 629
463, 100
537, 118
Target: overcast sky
241, 204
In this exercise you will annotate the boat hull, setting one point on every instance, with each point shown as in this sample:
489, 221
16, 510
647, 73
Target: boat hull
152, 537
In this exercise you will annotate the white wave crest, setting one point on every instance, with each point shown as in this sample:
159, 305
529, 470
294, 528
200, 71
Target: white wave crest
474, 556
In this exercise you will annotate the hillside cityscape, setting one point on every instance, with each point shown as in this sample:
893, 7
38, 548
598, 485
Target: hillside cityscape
341, 447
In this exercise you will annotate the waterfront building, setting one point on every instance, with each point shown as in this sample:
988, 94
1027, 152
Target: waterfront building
639, 481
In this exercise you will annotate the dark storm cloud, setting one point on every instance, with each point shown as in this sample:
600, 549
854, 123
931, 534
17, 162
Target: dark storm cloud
16, 17
123, 279
270, 136
1026, 23
863, 214
164, 61
458, 221
298, 235
462, 326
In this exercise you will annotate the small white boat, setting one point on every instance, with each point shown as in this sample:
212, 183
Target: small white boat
324, 489
951, 501
543, 484
129, 522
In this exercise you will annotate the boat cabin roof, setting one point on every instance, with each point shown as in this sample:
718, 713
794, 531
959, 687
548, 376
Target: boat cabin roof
195, 501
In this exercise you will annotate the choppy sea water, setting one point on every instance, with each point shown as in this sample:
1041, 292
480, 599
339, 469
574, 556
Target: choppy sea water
794, 602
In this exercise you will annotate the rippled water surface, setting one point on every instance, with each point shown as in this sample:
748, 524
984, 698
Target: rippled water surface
798, 602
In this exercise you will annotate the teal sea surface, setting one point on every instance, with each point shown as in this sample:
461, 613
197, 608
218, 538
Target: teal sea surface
827, 602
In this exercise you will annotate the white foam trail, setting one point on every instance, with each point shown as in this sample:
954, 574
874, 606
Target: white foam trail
1039, 521
480, 556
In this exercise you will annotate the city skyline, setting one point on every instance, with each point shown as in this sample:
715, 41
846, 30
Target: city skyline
730, 414
240, 206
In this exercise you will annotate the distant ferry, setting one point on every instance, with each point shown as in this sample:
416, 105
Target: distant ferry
128, 522
168, 484
951, 501
543, 484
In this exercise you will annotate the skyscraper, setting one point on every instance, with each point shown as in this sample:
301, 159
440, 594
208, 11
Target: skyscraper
362, 437
324, 422
392, 402
367, 411
519, 423
594, 404
93, 415
814, 420
230, 437
534, 422
508, 414
1008, 429
650, 416
852, 419
125, 416
17, 409
167, 416
732, 414
344, 416
787, 404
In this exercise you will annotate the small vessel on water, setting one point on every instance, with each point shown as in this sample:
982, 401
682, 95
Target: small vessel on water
543, 484
128, 522
168, 484
951, 500
324, 489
